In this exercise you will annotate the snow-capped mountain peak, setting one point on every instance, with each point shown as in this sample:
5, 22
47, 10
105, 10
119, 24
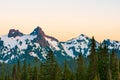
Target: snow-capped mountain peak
18, 46
112, 44
81, 44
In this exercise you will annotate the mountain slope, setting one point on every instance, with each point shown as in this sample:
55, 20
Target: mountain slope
112, 45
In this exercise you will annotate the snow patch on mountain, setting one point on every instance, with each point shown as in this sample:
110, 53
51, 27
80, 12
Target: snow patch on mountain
79, 44
12, 42
69, 52
112, 44
52, 43
6, 61
33, 54
12, 57
1, 61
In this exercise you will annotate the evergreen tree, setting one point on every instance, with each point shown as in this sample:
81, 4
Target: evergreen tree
35, 73
66, 75
58, 75
73, 76
48, 69
42, 72
29, 72
103, 63
114, 66
24, 71
2, 71
52, 65
14, 72
18, 71
80, 75
92, 58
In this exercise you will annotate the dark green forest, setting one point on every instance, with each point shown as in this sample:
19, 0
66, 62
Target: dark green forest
99, 65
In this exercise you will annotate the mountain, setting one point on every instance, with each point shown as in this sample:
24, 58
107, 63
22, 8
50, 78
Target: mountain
113, 44
18, 46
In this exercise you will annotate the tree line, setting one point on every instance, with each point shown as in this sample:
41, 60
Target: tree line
99, 65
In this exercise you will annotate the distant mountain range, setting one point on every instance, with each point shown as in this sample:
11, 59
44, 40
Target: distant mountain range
19, 46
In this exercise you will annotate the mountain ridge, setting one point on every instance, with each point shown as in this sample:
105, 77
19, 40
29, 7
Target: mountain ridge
21, 46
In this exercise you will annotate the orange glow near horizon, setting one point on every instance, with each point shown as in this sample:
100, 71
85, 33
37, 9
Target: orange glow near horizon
63, 19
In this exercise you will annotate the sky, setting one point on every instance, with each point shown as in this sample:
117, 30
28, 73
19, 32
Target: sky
63, 19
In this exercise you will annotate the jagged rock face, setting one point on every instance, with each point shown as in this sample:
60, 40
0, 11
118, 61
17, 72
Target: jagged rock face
52, 38
41, 41
40, 37
14, 33
38, 31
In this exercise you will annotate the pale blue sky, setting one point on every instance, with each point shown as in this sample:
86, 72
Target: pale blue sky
68, 18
